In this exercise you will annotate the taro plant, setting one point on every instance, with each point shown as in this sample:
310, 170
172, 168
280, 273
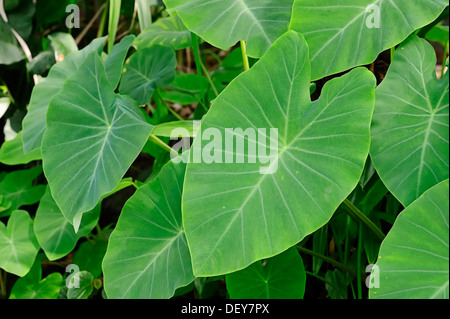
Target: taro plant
226, 149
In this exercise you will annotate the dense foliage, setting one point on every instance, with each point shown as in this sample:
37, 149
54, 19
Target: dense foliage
224, 149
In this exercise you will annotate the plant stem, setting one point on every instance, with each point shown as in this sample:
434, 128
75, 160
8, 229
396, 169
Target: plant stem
392, 53
163, 145
444, 59
326, 282
244, 56
199, 64
326, 259
158, 94
358, 263
2, 285
364, 219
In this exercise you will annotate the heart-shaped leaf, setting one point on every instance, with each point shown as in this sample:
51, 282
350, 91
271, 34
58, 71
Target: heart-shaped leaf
237, 213
53, 231
147, 70
280, 277
17, 187
258, 22
147, 254
413, 258
410, 125
32, 287
89, 160
18, 244
346, 33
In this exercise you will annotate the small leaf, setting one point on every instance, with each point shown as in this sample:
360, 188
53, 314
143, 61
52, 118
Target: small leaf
17, 187
18, 244
280, 277
32, 287
53, 231
11, 152
147, 70
84, 285
413, 259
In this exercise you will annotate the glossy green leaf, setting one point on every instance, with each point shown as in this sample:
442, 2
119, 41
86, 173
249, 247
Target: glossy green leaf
177, 129
32, 287
259, 23
146, 70
410, 133
11, 152
169, 32
147, 254
347, 33
53, 231
34, 122
17, 187
234, 213
89, 161
186, 89
413, 260
280, 277
18, 244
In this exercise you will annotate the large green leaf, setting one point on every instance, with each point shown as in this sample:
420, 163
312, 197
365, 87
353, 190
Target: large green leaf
342, 34
413, 259
114, 62
169, 32
34, 122
103, 134
53, 231
147, 255
280, 277
410, 125
18, 244
258, 22
235, 214
147, 70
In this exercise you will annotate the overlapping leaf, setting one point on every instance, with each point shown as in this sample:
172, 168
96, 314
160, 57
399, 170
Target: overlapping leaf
18, 244
53, 231
258, 22
410, 133
280, 277
234, 214
147, 70
413, 259
346, 33
34, 122
104, 133
147, 255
